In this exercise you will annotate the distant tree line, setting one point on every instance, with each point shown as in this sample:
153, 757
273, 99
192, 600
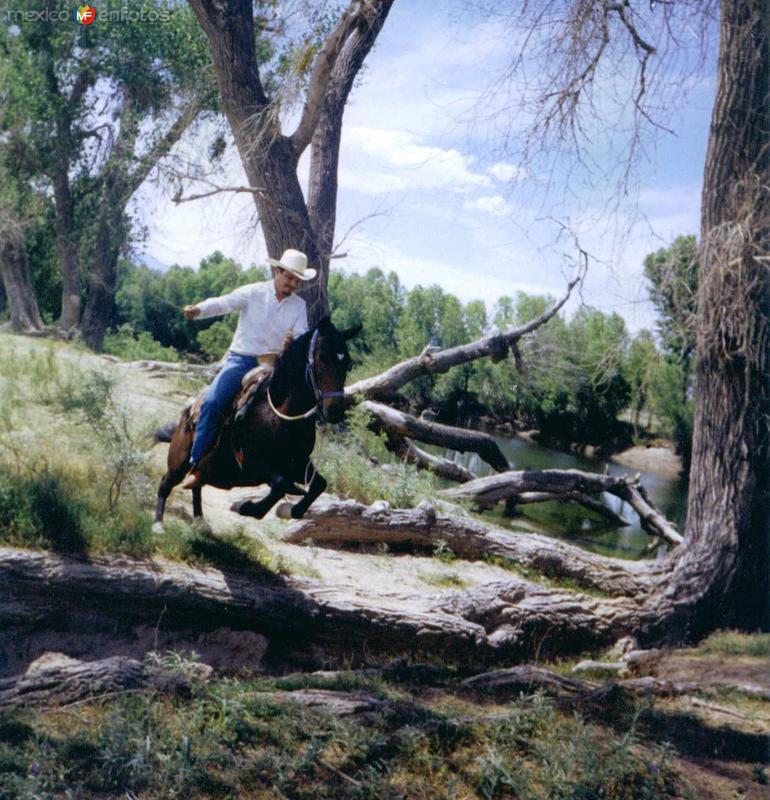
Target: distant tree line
581, 380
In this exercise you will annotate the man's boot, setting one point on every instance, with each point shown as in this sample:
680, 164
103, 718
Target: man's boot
193, 478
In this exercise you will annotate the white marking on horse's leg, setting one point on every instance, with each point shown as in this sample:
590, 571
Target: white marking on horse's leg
201, 525
283, 511
157, 528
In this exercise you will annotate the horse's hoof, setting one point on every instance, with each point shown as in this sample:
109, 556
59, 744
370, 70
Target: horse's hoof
283, 511
248, 508
157, 528
200, 525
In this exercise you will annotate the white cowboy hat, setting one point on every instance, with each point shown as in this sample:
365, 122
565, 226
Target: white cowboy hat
295, 262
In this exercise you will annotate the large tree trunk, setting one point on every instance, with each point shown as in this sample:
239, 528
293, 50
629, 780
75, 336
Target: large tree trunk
17, 280
110, 235
724, 571
66, 246
325, 144
268, 157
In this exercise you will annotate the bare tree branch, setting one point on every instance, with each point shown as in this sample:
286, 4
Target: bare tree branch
401, 424
570, 484
322, 71
178, 198
429, 363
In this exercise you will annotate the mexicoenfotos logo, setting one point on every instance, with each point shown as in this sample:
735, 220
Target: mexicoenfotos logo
85, 15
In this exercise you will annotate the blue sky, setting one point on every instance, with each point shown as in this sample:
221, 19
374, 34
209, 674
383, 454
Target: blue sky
425, 190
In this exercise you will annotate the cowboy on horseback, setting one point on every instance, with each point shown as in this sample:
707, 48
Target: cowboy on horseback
271, 314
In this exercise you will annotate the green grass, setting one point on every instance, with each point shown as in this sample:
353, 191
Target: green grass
734, 643
357, 464
233, 739
444, 580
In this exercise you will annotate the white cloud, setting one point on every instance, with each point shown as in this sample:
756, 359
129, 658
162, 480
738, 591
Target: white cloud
507, 172
376, 161
489, 204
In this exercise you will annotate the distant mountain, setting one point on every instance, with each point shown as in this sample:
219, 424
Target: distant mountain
149, 261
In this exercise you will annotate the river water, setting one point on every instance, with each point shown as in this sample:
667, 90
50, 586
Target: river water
572, 522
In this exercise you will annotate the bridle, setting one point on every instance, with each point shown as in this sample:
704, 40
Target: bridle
313, 384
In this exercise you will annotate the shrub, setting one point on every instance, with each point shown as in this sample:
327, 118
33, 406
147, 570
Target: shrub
357, 464
130, 346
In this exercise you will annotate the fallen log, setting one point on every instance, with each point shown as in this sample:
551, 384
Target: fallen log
557, 483
405, 425
340, 521
309, 622
443, 467
56, 679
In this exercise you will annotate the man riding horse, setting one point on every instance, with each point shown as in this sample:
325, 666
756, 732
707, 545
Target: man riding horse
271, 314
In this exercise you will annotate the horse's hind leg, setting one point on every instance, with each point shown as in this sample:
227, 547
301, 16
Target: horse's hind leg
258, 509
167, 483
177, 466
199, 521
317, 485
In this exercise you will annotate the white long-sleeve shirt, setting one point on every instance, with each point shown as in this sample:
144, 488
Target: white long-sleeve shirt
263, 322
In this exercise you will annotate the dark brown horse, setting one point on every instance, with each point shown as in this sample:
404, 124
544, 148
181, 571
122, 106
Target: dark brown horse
270, 440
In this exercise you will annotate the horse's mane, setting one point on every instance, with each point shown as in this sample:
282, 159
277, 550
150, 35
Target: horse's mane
289, 364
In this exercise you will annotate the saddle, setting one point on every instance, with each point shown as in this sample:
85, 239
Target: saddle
250, 385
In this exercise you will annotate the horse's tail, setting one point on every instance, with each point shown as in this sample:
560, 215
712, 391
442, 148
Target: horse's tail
164, 433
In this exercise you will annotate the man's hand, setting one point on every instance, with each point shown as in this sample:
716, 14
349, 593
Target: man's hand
287, 340
191, 312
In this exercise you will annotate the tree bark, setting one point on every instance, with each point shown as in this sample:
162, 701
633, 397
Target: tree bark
722, 576
55, 679
268, 157
66, 245
310, 622
59, 155
17, 280
111, 231
325, 143
443, 467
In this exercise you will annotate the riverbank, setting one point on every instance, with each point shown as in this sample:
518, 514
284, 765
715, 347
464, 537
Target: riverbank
656, 458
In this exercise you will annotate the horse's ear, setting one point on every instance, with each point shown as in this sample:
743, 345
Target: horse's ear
325, 326
351, 332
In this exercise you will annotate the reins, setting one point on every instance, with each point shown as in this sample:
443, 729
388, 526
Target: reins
312, 383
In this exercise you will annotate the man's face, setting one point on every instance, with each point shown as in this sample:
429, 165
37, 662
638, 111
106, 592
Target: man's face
286, 283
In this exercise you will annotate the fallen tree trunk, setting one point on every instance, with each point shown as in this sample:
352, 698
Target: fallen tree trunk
310, 622
336, 521
405, 425
487, 492
56, 679
443, 467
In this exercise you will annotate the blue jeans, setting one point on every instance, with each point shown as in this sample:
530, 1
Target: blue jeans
218, 401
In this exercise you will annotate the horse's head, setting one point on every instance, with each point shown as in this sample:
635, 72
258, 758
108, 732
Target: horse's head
331, 362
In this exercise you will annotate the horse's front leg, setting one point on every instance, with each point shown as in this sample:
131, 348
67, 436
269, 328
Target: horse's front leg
258, 509
317, 485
